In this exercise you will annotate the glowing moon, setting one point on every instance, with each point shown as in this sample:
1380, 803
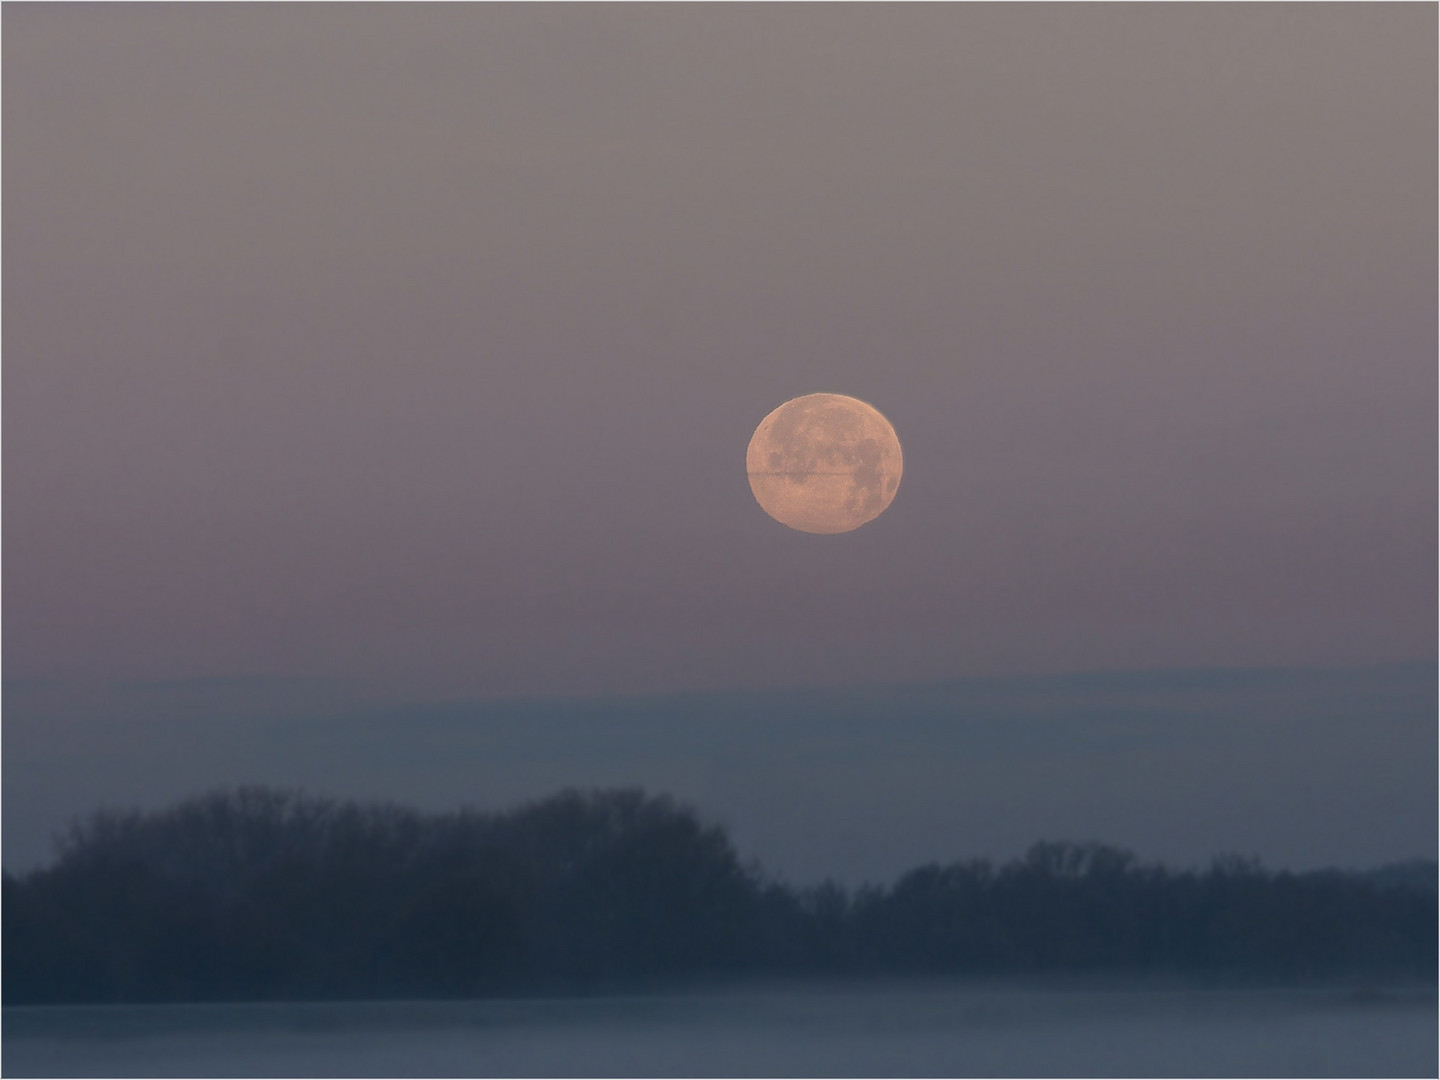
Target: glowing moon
824, 463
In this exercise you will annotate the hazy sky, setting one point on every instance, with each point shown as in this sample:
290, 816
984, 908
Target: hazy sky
423, 343
417, 347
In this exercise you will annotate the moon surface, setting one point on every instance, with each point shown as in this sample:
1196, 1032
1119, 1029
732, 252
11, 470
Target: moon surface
824, 463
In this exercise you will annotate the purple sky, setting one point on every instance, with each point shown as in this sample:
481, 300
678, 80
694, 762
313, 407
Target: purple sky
419, 346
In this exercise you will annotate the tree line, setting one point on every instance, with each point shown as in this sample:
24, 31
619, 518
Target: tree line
257, 894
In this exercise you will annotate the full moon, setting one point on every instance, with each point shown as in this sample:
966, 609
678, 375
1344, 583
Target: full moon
824, 463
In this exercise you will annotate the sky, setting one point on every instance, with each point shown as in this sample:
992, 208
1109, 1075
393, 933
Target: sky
411, 352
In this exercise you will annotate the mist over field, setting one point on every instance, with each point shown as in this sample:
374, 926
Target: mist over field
895, 1030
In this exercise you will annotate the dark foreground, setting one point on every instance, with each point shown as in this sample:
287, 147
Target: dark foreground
264, 896
907, 1031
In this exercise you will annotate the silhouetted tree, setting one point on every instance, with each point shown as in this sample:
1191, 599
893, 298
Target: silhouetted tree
263, 894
